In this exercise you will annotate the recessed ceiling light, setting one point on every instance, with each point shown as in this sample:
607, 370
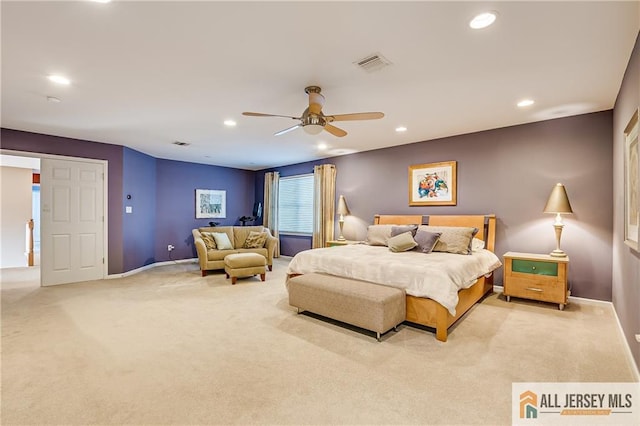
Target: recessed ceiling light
59, 79
322, 146
483, 20
102, 1
401, 129
342, 151
525, 103
229, 123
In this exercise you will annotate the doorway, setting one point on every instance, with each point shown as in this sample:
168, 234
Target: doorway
73, 226
17, 176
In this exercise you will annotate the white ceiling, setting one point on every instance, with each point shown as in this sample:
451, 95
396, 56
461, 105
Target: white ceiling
146, 74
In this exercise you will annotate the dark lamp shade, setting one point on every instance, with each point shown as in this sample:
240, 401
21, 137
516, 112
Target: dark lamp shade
342, 206
558, 201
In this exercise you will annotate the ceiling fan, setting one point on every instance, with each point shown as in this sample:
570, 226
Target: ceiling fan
313, 121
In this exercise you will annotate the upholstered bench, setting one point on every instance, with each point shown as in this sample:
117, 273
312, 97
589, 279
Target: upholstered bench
244, 265
366, 305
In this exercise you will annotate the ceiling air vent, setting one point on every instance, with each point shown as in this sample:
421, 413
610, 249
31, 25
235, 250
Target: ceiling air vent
373, 62
181, 143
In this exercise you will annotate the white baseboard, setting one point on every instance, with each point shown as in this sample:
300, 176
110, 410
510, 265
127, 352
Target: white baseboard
632, 361
584, 301
574, 299
150, 266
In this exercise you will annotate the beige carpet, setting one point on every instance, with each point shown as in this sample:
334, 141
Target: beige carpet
167, 346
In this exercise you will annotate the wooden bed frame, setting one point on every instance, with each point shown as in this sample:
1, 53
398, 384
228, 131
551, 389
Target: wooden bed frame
426, 311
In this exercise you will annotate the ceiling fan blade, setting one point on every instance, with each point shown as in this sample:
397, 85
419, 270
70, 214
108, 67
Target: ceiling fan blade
334, 130
316, 102
260, 114
287, 130
355, 116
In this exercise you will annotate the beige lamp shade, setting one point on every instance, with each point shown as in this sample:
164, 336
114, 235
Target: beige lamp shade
342, 206
558, 201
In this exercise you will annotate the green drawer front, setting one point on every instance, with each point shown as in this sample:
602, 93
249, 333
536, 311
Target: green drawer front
534, 267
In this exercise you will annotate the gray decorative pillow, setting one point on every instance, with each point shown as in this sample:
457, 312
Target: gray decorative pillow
222, 241
255, 240
377, 235
401, 242
453, 239
426, 240
401, 229
209, 241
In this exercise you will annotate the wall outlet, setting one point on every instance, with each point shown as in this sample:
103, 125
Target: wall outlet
170, 247
638, 338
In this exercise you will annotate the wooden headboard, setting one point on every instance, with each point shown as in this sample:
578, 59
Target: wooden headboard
486, 224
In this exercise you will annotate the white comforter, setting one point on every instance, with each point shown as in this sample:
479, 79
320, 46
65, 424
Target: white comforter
438, 276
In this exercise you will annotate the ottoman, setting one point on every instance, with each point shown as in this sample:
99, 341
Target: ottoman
244, 265
367, 305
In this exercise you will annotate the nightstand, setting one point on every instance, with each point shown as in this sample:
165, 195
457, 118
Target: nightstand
334, 243
536, 276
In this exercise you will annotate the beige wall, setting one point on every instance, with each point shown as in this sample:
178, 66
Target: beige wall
15, 211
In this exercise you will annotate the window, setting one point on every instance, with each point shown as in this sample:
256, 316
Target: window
295, 205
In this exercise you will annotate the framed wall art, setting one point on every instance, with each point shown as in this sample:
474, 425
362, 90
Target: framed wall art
432, 184
632, 184
211, 203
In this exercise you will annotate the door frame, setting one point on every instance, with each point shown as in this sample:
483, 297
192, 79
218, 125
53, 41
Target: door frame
105, 195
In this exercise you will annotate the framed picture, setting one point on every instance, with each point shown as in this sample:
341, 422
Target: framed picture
211, 203
631, 184
432, 184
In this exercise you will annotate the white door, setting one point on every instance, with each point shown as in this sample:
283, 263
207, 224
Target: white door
72, 221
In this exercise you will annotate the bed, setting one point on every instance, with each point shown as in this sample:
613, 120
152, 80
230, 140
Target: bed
431, 305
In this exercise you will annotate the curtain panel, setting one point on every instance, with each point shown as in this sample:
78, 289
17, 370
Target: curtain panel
324, 200
270, 213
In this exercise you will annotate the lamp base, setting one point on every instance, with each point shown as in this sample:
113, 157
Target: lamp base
558, 228
341, 223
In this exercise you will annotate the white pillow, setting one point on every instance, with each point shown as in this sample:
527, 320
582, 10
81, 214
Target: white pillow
453, 239
377, 235
222, 241
477, 244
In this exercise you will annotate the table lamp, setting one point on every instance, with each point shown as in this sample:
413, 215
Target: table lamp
342, 211
558, 203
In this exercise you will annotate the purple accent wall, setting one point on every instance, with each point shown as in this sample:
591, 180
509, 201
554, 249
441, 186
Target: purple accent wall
175, 202
509, 172
139, 226
626, 262
292, 244
46, 144
163, 197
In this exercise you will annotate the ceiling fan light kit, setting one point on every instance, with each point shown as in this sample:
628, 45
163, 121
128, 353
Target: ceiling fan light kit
313, 129
313, 120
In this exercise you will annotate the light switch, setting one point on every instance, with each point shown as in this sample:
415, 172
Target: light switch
128, 209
